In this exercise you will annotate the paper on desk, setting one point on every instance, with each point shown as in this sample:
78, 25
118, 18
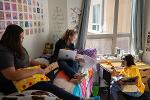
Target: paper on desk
89, 62
129, 88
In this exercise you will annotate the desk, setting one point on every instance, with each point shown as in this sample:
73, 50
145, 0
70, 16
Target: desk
144, 70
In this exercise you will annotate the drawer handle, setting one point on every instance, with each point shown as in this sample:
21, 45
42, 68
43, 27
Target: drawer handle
144, 77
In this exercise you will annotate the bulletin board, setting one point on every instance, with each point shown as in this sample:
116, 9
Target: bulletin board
147, 44
29, 14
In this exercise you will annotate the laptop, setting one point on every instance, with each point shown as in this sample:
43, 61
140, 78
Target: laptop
67, 54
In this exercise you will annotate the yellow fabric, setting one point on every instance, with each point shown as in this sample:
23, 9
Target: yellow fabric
133, 71
28, 82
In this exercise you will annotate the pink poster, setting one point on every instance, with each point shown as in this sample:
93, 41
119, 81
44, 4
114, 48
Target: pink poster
13, 1
1, 5
26, 16
1, 15
20, 8
30, 16
25, 1
14, 15
19, 1
20, 16
14, 7
25, 8
31, 31
27, 31
8, 15
7, 6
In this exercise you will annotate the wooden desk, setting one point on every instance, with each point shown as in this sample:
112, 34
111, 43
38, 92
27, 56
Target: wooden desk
144, 70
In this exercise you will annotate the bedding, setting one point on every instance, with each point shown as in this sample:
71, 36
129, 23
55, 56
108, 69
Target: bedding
30, 95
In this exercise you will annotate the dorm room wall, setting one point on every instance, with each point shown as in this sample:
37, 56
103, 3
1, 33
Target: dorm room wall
33, 41
146, 55
63, 14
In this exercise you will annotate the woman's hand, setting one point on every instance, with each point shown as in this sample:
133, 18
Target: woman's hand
40, 71
120, 82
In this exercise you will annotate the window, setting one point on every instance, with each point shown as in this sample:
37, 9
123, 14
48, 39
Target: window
109, 26
96, 18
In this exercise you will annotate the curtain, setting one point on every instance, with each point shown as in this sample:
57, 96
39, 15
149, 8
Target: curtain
83, 24
137, 26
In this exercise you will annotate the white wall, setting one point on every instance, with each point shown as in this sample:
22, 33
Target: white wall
57, 18
73, 9
35, 43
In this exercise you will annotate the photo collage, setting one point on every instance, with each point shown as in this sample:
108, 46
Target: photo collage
29, 14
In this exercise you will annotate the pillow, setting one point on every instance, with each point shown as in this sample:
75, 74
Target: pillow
89, 52
28, 82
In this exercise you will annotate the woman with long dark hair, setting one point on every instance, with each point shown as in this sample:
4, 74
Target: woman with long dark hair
14, 56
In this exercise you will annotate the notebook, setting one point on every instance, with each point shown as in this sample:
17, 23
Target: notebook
129, 88
67, 54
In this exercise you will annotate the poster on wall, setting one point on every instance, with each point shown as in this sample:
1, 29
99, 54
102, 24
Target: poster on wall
2, 25
1, 15
29, 14
1, 5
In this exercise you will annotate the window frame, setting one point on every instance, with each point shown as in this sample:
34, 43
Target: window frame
114, 35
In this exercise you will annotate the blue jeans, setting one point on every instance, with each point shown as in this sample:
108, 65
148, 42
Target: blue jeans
115, 88
70, 67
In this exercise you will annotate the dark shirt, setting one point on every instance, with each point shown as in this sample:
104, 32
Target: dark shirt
61, 44
9, 59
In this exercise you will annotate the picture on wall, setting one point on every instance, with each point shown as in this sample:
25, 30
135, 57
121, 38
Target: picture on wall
22, 24
41, 11
27, 31
6, 0
26, 16
14, 15
2, 25
20, 16
20, 8
1, 15
14, 7
30, 16
8, 15
25, 8
31, 31
30, 24
148, 38
1, 32
13, 1
26, 24
34, 10
29, 2
7, 6
38, 10
9, 22
30, 9
35, 24
15, 22
1, 5
19, 1
25, 1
